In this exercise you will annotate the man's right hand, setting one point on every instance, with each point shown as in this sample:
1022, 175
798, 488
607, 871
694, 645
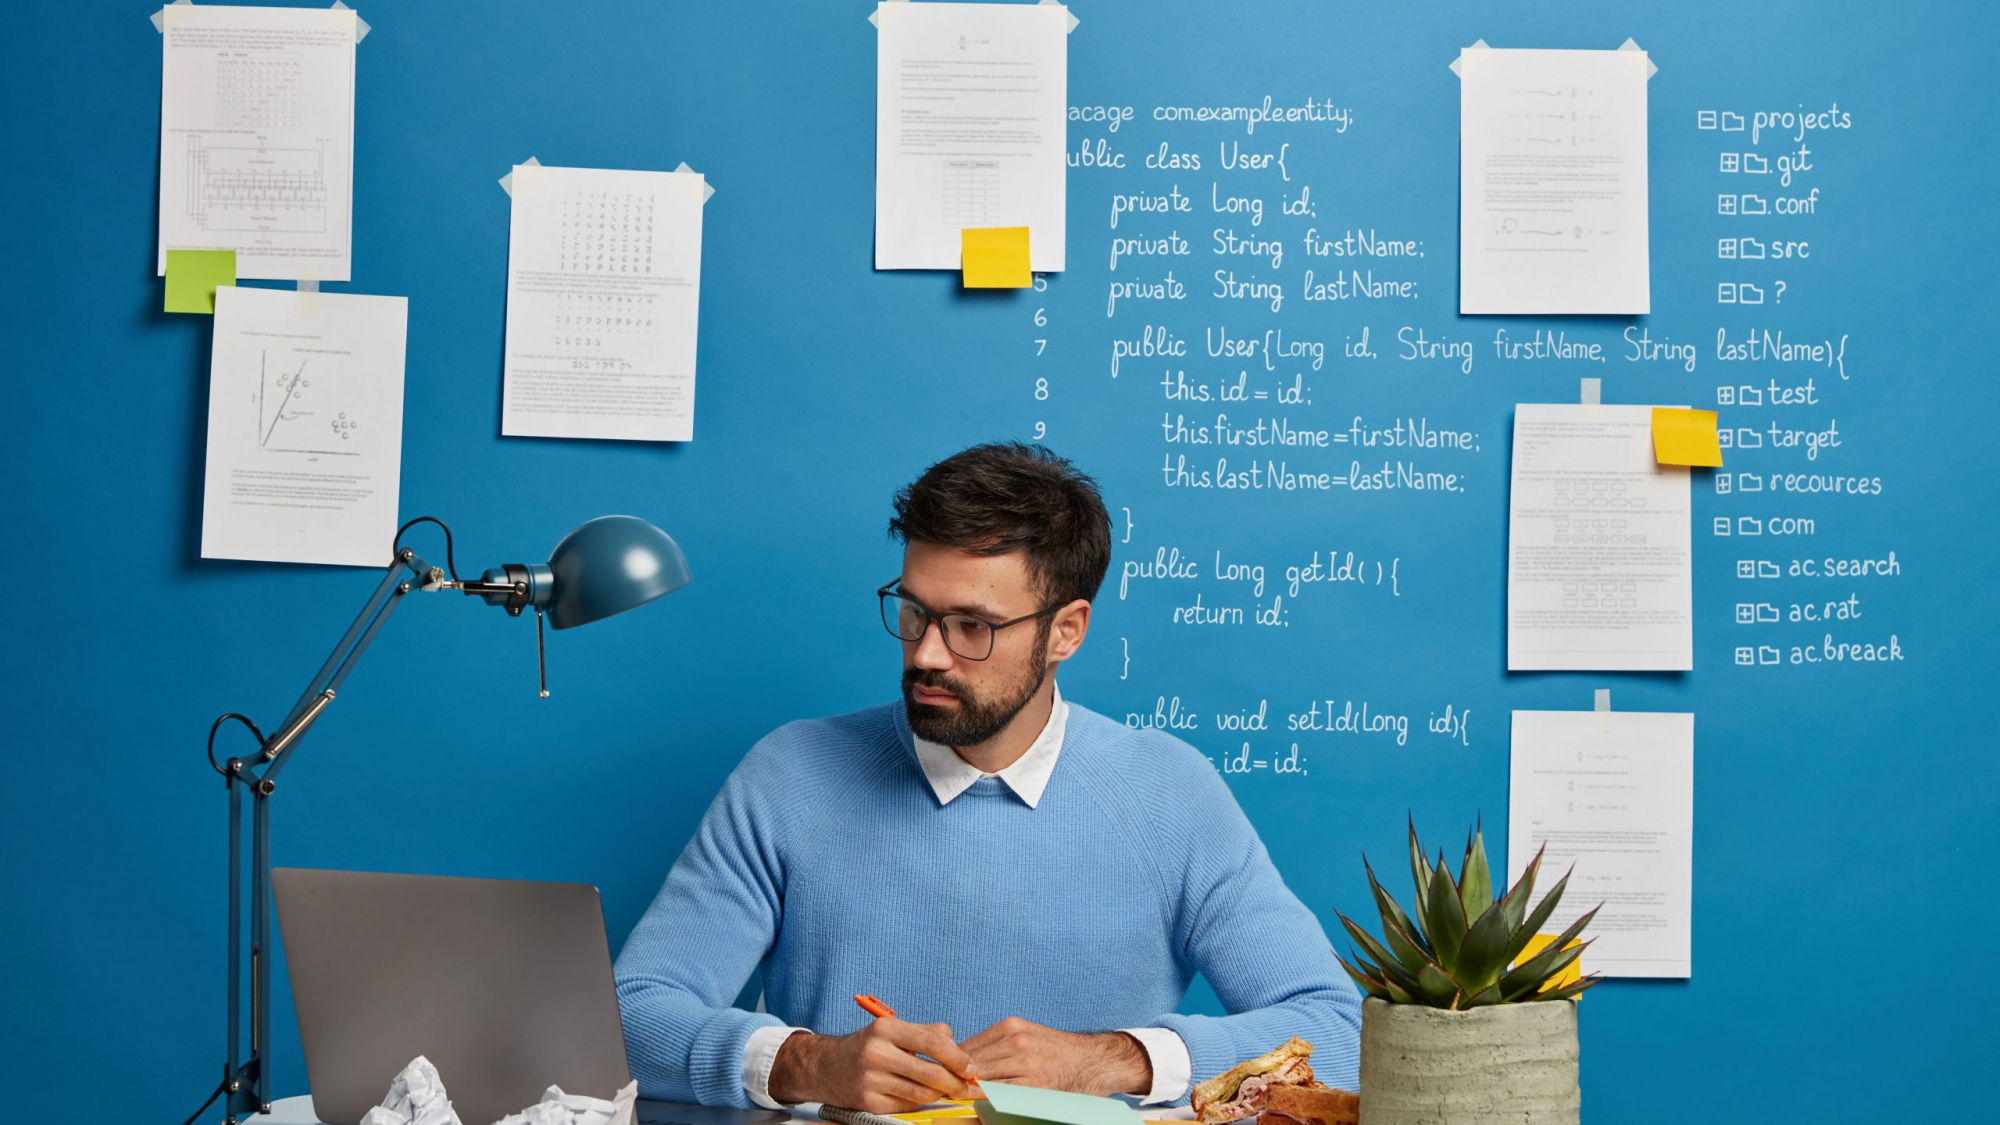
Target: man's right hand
875, 1069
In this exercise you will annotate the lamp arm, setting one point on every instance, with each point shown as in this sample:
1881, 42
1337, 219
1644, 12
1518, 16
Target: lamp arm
248, 1082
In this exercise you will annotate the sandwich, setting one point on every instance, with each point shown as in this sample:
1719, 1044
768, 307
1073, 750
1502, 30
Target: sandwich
1310, 1105
1244, 1090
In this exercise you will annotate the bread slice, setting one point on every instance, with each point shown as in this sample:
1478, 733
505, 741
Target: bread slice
1215, 1101
1310, 1105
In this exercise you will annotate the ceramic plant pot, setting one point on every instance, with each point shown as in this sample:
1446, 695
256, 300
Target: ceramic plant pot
1513, 1063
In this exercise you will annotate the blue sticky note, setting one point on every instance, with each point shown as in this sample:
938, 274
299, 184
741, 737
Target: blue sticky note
1057, 1106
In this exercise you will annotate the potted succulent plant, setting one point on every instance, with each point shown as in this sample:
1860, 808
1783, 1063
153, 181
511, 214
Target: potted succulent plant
1452, 1031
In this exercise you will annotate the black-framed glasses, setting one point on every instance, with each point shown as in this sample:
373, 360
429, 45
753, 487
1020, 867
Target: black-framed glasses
968, 637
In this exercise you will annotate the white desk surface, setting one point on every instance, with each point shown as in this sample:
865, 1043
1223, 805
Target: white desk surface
287, 1111
299, 1111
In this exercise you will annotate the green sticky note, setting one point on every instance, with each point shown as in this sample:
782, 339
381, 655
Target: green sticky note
1058, 1106
192, 276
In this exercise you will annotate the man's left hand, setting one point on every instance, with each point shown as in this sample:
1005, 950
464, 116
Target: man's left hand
1015, 1050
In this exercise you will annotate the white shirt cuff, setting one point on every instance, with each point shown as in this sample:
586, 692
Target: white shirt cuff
762, 1051
1173, 1068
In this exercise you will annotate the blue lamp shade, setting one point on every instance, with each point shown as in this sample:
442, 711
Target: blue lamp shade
609, 565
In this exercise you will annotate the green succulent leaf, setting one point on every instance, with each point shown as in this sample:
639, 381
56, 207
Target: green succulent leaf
1483, 956
1453, 949
1437, 988
1410, 951
1420, 874
1488, 995
1534, 974
1397, 993
1515, 904
1365, 940
1475, 885
1394, 974
1537, 970
1398, 931
1534, 922
1447, 918
1368, 984
1567, 992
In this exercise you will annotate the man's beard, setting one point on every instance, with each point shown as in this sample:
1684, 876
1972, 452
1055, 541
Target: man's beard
974, 720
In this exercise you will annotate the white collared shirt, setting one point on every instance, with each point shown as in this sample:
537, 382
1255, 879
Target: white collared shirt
1028, 776
951, 775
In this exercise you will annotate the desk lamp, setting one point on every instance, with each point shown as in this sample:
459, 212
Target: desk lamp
605, 566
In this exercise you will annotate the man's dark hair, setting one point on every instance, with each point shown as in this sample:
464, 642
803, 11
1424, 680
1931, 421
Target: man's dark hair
1009, 496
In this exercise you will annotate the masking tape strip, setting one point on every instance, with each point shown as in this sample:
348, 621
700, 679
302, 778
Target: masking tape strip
1470, 58
307, 300
160, 17
878, 8
1067, 14
361, 28
1603, 708
507, 181
1637, 54
1591, 392
707, 191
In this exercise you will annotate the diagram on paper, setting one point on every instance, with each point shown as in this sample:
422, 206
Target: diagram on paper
293, 416
257, 189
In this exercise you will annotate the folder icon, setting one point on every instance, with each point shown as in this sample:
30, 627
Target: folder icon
1766, 654
1750, 396
1685, 437
1747, 438
1767, 614
1749, 525
1753, 205
1749, 248
1749, 482
1754, 163
1767, 569
1748, 294
1732, 122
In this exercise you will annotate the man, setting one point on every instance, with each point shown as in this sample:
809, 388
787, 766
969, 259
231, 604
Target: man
983, 855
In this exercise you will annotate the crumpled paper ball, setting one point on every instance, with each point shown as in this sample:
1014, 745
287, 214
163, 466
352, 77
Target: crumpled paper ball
558, 1108
417, 1097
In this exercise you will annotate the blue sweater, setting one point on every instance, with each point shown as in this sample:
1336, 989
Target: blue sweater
827, 859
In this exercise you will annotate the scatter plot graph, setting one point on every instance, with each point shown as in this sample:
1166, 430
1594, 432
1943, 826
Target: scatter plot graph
290, 418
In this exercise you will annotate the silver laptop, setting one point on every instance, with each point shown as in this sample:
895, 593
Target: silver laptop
504, 985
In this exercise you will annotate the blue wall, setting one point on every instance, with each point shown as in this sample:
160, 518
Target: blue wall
1843, 884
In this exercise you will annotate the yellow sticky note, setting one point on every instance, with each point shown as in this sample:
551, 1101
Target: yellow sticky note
192, 276
995, 257
1685, 437
1540, 942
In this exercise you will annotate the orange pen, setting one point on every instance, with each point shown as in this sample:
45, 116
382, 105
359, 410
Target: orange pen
873, 1006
